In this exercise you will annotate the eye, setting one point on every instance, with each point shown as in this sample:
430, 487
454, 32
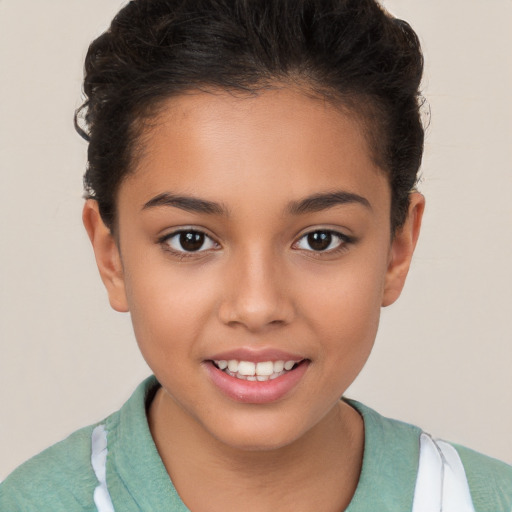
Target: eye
322, 241
189, 241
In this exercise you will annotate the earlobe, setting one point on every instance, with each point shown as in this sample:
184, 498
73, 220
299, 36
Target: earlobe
402, 249
107, 255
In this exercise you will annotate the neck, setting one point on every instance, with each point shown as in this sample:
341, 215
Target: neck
317, 472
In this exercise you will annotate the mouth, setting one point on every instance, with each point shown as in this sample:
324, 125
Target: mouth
256, 372
257, 377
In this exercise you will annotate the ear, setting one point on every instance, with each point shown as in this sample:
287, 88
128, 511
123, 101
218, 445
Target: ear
402, 248
107, 255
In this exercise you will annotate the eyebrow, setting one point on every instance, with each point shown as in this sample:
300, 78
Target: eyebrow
190, 204
319, 202
313, 203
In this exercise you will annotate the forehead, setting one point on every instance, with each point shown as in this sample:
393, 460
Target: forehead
281, 143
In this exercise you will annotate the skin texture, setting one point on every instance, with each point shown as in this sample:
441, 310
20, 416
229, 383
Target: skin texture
257, 285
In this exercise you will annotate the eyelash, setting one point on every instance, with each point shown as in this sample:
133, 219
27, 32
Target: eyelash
343, 241
182, 254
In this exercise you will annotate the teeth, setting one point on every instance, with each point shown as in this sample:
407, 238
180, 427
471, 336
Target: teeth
289, 365
278, 366
247, 370
265, 369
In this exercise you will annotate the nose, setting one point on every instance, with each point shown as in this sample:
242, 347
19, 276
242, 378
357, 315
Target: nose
256, 293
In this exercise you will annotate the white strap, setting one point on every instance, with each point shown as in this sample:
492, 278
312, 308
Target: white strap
441, 485
102, 498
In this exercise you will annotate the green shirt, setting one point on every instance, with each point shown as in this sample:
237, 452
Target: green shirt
61, 478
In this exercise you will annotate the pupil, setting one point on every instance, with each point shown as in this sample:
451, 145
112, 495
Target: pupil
319, 240
192, 240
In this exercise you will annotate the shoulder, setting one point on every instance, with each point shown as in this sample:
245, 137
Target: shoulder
391, 462
59, 478
490, 480
62, 478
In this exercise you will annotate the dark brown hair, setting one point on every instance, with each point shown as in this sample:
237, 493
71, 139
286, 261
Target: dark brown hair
350, 51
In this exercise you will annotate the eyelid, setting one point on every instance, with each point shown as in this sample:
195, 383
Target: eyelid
164, 240
344, 240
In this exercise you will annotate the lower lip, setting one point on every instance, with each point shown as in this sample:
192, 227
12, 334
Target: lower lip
254, 392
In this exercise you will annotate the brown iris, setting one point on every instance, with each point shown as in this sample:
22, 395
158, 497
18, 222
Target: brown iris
191, 240
319, 240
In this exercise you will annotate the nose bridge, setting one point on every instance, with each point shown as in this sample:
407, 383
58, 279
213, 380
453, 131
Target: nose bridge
255, 296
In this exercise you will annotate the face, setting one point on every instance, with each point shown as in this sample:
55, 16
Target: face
254, 255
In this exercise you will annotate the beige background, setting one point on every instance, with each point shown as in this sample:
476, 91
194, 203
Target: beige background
443, 357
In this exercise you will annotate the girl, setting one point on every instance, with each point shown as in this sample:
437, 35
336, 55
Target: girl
251, 202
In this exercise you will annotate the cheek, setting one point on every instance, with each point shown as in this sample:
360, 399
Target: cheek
344, 306
169, 307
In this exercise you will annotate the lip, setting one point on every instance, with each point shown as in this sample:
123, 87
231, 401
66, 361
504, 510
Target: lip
255, 392
257, 355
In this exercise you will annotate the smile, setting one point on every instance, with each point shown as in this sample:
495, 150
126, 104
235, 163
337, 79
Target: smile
256, 377
260, 372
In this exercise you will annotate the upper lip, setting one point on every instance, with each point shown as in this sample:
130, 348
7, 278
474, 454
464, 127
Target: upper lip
256, 355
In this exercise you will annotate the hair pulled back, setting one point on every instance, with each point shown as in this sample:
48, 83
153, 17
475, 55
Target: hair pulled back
351, 51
